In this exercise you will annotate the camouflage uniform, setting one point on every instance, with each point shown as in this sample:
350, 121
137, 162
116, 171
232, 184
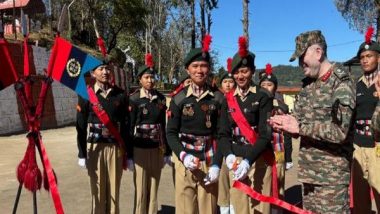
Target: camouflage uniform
325, 151
323, 110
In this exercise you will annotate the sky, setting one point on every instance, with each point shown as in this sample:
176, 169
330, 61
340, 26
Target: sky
273, 26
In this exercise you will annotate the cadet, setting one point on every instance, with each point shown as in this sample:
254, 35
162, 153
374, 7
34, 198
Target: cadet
247, 106
269, 81
148, 112
104, 149
322, 117
365, 167
191, 133
227, 83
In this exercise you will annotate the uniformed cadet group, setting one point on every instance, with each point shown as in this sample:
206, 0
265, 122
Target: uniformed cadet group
215, 138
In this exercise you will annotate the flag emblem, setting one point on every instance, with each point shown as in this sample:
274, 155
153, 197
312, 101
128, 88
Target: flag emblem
73, 67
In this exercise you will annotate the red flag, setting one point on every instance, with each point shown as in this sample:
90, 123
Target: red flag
8, 74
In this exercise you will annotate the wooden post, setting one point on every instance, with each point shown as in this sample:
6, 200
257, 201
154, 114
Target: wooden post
14, 19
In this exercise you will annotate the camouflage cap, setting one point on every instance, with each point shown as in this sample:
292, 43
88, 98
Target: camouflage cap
307, 39
372, 46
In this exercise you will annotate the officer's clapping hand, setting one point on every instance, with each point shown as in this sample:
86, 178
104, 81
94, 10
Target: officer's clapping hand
285, 122
212, 175
82, 162
242, 170
230, 161
190, 162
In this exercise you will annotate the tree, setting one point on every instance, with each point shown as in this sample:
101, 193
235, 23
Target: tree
193, 21
206, 6
245, 19
360, 14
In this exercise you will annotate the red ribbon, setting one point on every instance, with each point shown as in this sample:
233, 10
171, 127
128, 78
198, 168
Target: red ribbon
272, 200
51, 178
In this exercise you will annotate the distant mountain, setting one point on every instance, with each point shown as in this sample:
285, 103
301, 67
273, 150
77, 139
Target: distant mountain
288, 75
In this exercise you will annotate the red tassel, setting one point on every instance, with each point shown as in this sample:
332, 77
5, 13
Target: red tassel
206, 43
102, 46
369, 34
149, 60
23, 165
243, 47
229, 65
268, 69
33, 177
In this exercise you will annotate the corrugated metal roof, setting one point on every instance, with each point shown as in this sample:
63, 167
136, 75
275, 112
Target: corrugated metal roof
29, 6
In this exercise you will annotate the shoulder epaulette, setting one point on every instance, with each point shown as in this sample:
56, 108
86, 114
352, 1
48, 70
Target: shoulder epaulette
178, 98
135, 95
341, 74
264, 91
218, 96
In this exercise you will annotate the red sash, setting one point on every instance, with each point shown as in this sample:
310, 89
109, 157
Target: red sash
240, 119
103, 117
249, 134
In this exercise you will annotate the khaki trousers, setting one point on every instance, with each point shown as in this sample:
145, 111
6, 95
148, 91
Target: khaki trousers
192, 196
224, 186
365, 175
280, 185
260, 179
148, 165
105, 168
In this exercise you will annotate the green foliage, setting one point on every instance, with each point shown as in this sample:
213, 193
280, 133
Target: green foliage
359, 13
287, 75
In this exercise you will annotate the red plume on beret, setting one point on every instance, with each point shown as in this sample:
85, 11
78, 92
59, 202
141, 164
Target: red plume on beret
243, 47
149, 60
368, 35
268, 69
102, 46
229, 65
206, 43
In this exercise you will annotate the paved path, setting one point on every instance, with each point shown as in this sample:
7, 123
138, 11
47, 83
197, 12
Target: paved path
73, 181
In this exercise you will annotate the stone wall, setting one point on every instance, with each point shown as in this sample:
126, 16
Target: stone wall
60, 103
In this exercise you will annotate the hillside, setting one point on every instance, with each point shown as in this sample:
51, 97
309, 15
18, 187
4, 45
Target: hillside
288, 75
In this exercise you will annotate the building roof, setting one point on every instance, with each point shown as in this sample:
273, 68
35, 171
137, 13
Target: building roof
29, 6
289, 89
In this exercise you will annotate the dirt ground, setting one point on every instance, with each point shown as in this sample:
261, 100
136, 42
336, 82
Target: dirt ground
73, 182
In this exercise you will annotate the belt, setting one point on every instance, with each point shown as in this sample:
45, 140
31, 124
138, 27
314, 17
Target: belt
148, 131
99, 130
196, 143
200, 146
238, 138
363, 127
